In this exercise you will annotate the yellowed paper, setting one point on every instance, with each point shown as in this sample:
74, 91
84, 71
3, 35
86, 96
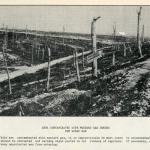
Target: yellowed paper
75, 133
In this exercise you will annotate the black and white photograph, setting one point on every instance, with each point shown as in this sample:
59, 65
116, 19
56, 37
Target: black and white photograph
86, 61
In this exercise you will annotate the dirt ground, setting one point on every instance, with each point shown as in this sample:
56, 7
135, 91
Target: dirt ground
124, 92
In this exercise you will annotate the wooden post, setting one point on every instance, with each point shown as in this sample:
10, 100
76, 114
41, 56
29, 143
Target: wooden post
74, 64
5, 61
93, 36
7, 71
38, 51
43, 53
63, 40
118, 47
26, 32
114, 31
63, 34
22, 50
130, 49
64, 75
83, 65
142, 36
16, 37
83, 58
48, 75
21, 113
13, 37
125, 50
32, 54
69, 73
55, 45
138, 35
113, 59
77, 65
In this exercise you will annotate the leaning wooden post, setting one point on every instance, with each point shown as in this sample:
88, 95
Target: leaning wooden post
93, 36
48, 75
138, 34
77, 65
21, 113
74, 64
5, 61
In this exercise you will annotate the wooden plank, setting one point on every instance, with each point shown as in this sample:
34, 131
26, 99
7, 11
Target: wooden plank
107, 47
91, 57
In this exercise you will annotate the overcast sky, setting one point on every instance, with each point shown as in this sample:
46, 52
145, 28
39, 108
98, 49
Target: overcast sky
75, 18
